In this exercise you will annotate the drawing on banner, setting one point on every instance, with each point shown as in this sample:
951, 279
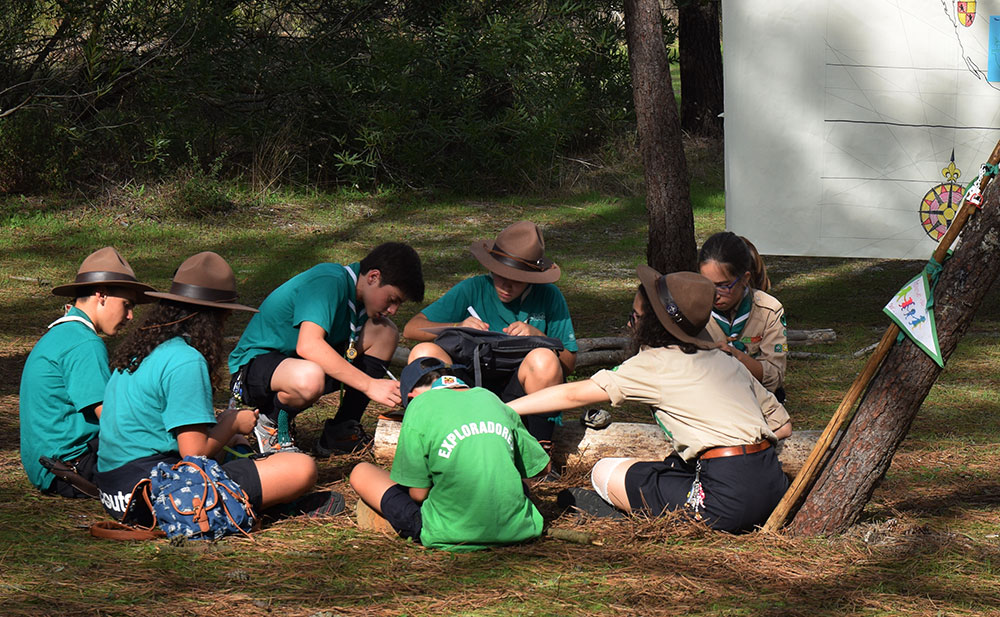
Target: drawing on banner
966, 12
911, 310
940, 205
861, 121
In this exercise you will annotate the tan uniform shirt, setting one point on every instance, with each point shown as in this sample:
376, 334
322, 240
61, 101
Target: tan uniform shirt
701, 400
764, 336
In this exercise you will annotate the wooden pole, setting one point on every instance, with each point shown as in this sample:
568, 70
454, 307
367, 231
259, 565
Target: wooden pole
841, 417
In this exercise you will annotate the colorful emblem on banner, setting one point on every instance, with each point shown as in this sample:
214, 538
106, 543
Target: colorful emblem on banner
940, 205
908, 309
967, 12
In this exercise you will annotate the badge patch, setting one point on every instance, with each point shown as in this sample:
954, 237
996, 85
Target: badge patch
781, 348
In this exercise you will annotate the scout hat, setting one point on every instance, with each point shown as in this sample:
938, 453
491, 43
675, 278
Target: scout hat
204, 279
682, 302
104, 267
414, 371
517, 253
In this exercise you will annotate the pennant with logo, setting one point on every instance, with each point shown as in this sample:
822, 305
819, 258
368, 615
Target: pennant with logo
912, 310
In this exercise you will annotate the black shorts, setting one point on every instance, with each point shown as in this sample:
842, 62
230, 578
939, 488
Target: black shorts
255, 379
116, 485
402, 512
85, 465
740, 491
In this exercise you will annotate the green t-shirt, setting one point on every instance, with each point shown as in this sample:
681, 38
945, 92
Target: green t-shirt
170, 388
542, 306
472, 451
325, 295
64, 374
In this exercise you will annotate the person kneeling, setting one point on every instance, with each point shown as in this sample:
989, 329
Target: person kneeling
457, 479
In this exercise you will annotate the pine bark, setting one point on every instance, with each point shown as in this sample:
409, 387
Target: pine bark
668, 200
894, 397
700, 47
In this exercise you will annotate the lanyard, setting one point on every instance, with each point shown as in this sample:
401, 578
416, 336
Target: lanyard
68, 318
356, 315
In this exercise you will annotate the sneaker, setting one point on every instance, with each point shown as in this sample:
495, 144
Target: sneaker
587, 502
320, 504
266, 432
341, 438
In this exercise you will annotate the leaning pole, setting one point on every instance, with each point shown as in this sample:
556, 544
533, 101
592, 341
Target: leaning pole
833, 490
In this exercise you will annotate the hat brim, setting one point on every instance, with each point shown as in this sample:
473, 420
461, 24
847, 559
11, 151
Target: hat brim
232, 306
70, 290
648, 276
481, 250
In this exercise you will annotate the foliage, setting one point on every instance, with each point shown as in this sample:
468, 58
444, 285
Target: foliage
355, 92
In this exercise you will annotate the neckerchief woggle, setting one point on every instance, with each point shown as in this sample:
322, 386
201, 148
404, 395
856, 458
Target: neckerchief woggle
735, 326
356, 315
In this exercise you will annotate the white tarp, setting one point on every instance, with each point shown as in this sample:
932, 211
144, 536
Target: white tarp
841, 117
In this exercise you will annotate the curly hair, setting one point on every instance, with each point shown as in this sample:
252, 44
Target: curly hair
201, 327
649, 332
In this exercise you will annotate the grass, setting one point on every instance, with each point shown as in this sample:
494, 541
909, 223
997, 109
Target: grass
928, 544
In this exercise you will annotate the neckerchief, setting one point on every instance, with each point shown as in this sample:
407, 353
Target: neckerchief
69, 316
735, 326
356, 315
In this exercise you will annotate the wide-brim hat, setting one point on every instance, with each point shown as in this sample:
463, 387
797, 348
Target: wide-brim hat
682, 302
204, 279
518, 254
106, 267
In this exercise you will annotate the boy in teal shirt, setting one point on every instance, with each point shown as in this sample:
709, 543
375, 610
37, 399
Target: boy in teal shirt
327, 326
457, 480
517, 297
62, 384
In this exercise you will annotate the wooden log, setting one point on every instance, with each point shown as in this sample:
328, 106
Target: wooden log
573, 445
612, 350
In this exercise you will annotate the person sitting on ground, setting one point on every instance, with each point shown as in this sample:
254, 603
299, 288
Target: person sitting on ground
62, 385
518, 298
158, 403
720, 421
327, 326
457, 478
746, 321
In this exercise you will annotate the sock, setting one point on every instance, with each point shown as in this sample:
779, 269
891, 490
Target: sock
283, 415
353, 402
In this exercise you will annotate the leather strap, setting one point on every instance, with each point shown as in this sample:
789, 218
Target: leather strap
724, 451
113, 530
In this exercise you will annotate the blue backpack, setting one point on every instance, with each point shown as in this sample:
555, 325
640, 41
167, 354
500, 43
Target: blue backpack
195, 498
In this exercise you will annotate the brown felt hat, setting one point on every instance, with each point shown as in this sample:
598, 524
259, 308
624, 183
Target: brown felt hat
204, 279
682, 302
517, 253
104, 267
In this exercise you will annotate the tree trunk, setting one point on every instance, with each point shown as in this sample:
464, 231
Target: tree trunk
668, 200
895, 394
701, 67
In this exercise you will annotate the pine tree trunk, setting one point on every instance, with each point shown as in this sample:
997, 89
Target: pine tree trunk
698, 32
668, 199
895, 394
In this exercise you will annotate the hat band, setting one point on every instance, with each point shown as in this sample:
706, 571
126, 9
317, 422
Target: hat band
197, 292
516, 262
99, 276
673, 310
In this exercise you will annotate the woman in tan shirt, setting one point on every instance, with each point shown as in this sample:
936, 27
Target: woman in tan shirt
719, 419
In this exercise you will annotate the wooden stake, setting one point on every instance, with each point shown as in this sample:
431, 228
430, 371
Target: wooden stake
841, 417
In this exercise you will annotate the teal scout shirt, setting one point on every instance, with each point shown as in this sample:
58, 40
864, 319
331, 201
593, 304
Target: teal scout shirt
64, 374
542, 306
323, 294
170, 388
471, 451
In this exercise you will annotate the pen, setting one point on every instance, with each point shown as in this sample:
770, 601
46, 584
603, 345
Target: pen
473, 312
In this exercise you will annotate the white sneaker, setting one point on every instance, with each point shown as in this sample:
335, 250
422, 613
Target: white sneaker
266, 432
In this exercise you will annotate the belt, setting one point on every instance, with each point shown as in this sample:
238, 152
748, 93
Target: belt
735, 450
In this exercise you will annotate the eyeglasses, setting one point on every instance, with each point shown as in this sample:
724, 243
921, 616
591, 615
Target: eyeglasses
633, 319
726, 288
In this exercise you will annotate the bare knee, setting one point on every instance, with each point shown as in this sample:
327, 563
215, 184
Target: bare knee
379, 338
428, 350
540, 369
302, 382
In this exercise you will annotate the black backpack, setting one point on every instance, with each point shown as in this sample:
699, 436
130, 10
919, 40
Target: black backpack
490, 352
